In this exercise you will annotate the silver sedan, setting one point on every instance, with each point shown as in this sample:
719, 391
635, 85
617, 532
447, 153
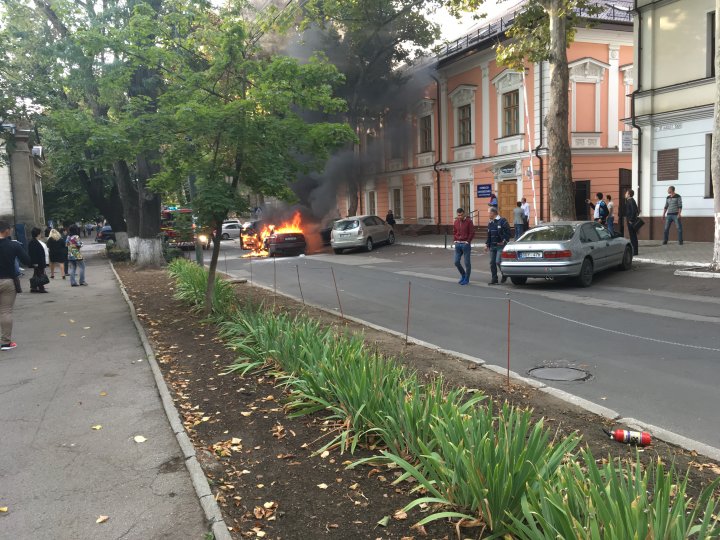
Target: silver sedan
360, 231
565, 249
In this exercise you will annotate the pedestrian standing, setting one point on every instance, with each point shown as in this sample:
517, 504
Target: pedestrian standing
611, 214
58, 252
498, 235
463, 234
9, 251
75, 258
88, 229
526, 211
672, 213
518, 220
37, 259
632, 213
64, 237
390, 218
493, 201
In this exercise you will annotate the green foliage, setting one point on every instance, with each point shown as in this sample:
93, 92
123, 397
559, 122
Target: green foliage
117, 254
191, 282
172, 253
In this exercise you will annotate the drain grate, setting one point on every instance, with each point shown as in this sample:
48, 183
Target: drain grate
559, 374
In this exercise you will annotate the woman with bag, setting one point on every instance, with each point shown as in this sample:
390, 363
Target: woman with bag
58, 253
75, 258
37, 258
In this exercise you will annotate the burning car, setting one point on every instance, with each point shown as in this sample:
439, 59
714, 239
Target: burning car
287, 238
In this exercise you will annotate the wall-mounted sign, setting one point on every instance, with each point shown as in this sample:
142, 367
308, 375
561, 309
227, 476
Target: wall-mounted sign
484, 191
626, 141
668, 127
507, 169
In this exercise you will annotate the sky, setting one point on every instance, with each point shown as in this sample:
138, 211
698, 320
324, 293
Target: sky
453, 28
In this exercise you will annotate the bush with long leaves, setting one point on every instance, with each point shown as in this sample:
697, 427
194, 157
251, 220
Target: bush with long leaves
191, 281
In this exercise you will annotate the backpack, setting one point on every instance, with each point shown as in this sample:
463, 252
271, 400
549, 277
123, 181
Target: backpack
604, 212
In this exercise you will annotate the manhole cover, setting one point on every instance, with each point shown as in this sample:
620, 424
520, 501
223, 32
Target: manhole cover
559, 374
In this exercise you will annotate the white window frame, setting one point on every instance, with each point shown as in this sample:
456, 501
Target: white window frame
371, 194
425, 179
393, 184
426, 107
463, 95
586, 70
509, 81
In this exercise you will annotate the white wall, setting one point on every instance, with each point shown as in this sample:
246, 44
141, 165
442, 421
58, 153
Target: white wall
6, 204
689, 138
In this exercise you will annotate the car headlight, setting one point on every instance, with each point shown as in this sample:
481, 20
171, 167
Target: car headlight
203, 238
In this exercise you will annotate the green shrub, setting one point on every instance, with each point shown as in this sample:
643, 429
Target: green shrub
118, 255
172, 253
190, 283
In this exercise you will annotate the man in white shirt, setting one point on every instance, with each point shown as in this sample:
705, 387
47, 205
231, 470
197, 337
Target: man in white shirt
611, 214
526, 210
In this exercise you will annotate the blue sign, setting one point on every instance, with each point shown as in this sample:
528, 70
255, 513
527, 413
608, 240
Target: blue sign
484, 191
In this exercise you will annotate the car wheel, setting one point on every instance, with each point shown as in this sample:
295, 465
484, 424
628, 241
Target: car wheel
391, 238
337, 251
626, 263
369, 245
518, 280
586, 273
225, 236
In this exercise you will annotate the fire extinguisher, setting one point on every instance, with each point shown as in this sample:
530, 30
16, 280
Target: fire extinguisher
638, 438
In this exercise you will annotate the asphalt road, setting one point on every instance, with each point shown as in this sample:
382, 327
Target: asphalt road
650, 340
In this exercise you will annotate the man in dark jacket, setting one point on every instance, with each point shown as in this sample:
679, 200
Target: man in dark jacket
631, 214
463, 234
9, 251
498, 235
38, 260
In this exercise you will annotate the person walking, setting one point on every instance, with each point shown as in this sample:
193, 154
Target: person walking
631, 214
611, 214
600, 210
463, 234
75, 258
493, 201
9, 252
64, 237
518, 220
37, 259
498, 235
672, 213
526, 211
390, 218
58, 252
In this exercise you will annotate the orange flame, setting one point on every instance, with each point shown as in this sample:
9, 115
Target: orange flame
258, 243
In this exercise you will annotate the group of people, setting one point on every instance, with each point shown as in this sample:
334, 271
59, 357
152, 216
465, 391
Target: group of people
60, 251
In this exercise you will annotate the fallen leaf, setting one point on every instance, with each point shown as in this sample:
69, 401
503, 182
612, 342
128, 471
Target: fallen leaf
97, 427
322, 486
86, 328
268, 505
3, 509
400, 515
102, 519
260, 534
325, 454
235, 441
103, 393
62, 334
245, 413
139, 438
72, 320
384, 521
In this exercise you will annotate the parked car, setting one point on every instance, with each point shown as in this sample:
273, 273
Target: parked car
252, 229
360, 231
286, 244
104, 234
576, 249
326, 231
230, 230
232, 220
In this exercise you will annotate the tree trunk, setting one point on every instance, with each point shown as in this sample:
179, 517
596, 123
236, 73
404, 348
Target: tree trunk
562, 193
110, 205
131, 208
352, 197
715, 156
148, 252
210, 289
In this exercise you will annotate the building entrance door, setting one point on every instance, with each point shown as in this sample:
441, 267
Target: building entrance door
582, 194
507, 198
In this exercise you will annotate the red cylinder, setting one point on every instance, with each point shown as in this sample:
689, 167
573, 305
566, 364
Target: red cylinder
638, 438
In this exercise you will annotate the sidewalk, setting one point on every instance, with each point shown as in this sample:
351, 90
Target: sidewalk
80, 363
651, 251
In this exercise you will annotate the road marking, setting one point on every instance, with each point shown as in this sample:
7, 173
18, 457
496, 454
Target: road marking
664, 294
349, 261
584, 300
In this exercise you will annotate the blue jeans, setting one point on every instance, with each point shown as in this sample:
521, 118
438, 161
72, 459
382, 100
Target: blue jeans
74, 265
611, 224
519, 229
463, 250
495, 261
669, 218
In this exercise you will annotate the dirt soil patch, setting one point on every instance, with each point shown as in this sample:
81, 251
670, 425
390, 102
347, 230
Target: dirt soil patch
260, 463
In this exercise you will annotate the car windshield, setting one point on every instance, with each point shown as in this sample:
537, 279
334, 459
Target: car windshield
346, 224
549, 233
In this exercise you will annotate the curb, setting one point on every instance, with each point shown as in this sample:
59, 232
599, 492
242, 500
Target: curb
609, 414
206, 498
700, 272
664, 262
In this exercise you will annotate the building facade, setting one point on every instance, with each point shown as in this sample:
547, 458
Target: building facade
478, 129
21, 194
673, 106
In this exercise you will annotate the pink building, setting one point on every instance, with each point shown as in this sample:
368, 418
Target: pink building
478, 129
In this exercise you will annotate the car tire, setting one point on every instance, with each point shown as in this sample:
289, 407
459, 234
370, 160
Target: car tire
518, 280
626, 263
225, 236
338, 251
369, 245
586, 273
391, 238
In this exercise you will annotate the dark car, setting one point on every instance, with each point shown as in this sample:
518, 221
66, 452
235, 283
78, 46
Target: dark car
286, 244
104, 234
250, 231
326, 231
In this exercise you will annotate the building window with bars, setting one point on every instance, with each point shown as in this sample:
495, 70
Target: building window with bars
464, 196
426, 202
425, 134
372, 206
464, 125
397, 203
511, 113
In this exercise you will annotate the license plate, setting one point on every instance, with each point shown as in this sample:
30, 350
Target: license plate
530, 255
290, 238
344, 234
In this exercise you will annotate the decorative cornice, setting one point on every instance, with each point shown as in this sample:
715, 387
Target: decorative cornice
464, 94
587, 70
424, 107
676, 87
682, 115
507, 80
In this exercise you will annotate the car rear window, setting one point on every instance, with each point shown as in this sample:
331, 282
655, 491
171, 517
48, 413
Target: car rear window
549, 233
346, 225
